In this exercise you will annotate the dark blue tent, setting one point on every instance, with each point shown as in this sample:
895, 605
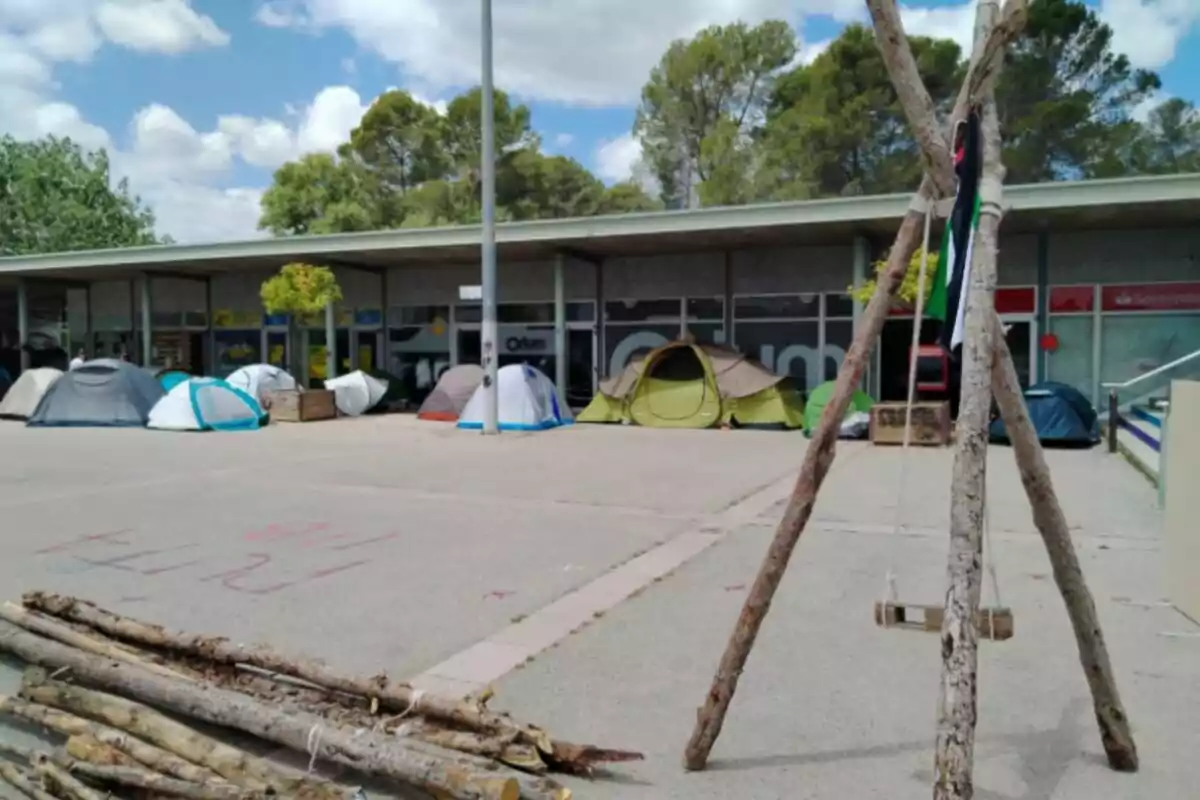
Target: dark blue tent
1060, 415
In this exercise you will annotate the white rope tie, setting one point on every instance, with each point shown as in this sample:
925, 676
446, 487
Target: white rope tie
889, 589
313, 745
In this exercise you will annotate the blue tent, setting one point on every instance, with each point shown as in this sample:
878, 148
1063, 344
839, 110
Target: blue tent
1060, 415
101, 393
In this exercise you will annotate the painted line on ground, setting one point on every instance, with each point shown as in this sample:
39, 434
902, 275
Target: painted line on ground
471, 670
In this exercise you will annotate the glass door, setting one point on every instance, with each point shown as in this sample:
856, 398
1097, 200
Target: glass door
1021, 335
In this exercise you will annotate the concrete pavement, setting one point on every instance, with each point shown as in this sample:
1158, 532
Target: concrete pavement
386, 543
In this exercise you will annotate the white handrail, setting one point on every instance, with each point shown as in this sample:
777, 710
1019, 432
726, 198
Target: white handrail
1153, 372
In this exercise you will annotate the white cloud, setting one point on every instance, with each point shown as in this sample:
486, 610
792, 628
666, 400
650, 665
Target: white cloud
1149, 31
616, 158
595, 52
563, 139
943, 22
158, 26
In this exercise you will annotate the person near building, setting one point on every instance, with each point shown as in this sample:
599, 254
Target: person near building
78, 360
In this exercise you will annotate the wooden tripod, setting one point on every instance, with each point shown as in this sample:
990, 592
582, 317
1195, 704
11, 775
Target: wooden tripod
987, 369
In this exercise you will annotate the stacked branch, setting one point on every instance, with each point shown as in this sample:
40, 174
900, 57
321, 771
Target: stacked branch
116, 734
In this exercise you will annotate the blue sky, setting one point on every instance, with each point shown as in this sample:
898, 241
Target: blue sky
577, 66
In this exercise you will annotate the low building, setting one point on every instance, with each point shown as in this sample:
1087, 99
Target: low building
1099, 281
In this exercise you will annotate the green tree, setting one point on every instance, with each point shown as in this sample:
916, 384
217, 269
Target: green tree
302, 291
56, 196
907, 293
836, 127
1064, 96
627, 197
322, 194
399, 140
714, 86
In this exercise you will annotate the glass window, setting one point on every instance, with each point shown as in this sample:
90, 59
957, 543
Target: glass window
525, 312
783, 306
468, 313
196, 319
236, 349
417, 315
839, 305
707, 332
165, 319
786, 348
581, 311
1133, 344
417, 355
838, 336
622, 343
706, 308
641, 310
1071, 363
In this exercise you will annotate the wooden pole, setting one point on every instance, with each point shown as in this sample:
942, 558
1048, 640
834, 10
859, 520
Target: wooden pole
818, 458
1051, 523
399, 698
452, 775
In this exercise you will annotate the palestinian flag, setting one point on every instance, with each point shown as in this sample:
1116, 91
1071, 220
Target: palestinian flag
948, 296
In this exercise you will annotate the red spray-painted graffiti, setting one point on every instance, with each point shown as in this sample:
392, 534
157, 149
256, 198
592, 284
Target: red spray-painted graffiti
254, 573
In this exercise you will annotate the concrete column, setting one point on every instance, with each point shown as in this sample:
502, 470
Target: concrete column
560, 324
131, 345
861, 271
385, 345
1043, 302
330, 342
210, 335
23, 321
89, 336
727, 318
601, 371
147, 330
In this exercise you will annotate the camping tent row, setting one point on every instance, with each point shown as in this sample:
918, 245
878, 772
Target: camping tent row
111, 393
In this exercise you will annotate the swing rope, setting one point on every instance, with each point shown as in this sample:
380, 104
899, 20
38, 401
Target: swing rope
889, 589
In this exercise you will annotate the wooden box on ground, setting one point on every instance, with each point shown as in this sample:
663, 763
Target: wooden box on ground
930, 424
296, 406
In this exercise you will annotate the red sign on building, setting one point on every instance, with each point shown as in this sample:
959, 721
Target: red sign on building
1072, 299
1151, 297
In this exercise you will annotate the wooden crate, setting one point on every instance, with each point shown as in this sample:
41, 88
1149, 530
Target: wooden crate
297, 406
930, 424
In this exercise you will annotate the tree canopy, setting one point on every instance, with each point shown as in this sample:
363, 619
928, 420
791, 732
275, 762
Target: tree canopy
730, 112
56, 196
298, 289
407, 165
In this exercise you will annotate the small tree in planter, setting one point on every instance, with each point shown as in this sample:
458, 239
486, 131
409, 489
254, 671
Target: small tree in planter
301, 291
906, 295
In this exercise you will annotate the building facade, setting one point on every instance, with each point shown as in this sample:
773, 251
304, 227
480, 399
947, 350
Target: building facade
1083, 307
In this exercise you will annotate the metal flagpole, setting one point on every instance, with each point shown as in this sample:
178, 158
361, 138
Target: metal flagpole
488, 333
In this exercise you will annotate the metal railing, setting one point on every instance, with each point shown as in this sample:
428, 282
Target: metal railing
1114, 392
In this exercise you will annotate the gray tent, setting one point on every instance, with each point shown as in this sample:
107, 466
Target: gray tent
101, 393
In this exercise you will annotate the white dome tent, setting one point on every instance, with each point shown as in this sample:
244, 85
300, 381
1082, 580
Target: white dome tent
23, 397
257, 379
527, 401
356, 393
206, 404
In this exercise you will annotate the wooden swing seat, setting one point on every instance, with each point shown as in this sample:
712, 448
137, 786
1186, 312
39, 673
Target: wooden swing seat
994, 623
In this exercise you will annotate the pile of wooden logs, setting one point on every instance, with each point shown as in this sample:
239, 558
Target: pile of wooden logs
103, 681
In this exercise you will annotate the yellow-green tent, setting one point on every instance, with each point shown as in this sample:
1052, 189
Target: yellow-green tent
684, 385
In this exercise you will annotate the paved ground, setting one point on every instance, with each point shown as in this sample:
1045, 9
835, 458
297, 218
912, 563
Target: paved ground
388, 543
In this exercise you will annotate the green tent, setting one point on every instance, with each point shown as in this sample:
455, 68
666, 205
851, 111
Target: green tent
860, 403
684, 385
